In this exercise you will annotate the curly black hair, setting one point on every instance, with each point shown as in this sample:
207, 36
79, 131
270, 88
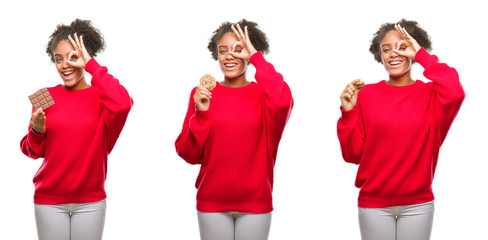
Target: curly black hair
258, 38
412, 27
92, 38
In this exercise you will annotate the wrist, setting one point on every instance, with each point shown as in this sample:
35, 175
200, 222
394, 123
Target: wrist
37, 131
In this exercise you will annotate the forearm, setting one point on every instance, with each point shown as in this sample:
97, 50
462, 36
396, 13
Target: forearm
350, 136
112, 94
33, 144
277, 91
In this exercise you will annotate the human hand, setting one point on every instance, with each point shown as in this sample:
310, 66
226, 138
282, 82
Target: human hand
79, 57
202, 97
38, 121
408, 46
243, 48
349, 96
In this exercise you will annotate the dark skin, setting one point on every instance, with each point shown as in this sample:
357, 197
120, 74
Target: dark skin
241, 49
81, 57
406, 47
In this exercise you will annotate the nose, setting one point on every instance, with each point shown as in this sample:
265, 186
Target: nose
229, 56
65, 63
393, 54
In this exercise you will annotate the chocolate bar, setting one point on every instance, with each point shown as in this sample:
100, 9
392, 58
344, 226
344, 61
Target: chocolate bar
41, 98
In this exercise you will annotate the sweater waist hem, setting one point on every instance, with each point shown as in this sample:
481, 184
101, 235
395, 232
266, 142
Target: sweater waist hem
245, 207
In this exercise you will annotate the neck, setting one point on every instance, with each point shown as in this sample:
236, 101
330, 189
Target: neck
82, 84
403, 80
240, 81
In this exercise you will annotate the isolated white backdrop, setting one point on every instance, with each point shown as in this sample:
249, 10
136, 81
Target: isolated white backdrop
158, 51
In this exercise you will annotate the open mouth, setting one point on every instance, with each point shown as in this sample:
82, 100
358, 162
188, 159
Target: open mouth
68, 74
395, 63
230, 66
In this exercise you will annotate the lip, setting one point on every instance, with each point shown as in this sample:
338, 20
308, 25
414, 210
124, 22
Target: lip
395, 63
230, 66
68, 75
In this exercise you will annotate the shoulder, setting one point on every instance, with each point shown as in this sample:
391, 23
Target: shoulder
372, 88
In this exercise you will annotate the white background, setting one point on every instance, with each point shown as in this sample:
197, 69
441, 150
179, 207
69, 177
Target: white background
159, 52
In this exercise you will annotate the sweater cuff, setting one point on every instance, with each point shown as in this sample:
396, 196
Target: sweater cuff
92, 66
35, 136
202, 115
348, 116
257, 58
423, 57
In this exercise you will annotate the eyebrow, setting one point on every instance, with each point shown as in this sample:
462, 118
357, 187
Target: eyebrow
386, 44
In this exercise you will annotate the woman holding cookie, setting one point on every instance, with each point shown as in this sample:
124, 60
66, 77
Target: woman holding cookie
393, 130
233, 131
75, 136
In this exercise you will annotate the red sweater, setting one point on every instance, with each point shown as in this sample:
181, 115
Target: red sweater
81, 130
236, 142
394, 134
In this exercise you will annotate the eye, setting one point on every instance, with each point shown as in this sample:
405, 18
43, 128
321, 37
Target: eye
58, 60
222, 51
386, 50
73, 58
237, 51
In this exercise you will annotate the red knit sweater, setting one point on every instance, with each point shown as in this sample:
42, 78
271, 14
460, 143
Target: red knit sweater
236, 142
81, 130
394, 134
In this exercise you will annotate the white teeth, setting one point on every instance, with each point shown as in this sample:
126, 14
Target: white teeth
230, 65
67, 73
395, 62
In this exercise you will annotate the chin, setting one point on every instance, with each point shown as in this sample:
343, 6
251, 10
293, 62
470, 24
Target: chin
233, 75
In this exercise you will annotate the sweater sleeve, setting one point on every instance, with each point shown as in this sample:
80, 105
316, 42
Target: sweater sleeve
448, 93
350, 130
196, 127
33, 144
115, 99
278, 99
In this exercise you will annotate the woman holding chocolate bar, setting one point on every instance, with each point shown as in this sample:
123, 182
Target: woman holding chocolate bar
233, 131
75, 136
393, 130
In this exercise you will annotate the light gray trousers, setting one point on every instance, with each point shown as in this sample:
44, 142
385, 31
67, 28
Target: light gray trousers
77, 221
411, 222
234, 226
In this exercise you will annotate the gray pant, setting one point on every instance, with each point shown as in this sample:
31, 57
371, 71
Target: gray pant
77, 221
234, 226
397, 223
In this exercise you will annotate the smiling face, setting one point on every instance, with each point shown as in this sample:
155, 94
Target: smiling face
397, 66
73, 78
233, 68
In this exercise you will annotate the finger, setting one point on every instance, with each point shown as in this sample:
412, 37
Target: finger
403, 32
240, 31
73, 42
235, 45
402, 53
70, 55
236, 32
246, 32
77, 40
407, 34
237, 55
346, 96
398, 28
82, 43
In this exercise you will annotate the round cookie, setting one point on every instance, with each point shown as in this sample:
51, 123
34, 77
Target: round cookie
359, 85
208, 79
